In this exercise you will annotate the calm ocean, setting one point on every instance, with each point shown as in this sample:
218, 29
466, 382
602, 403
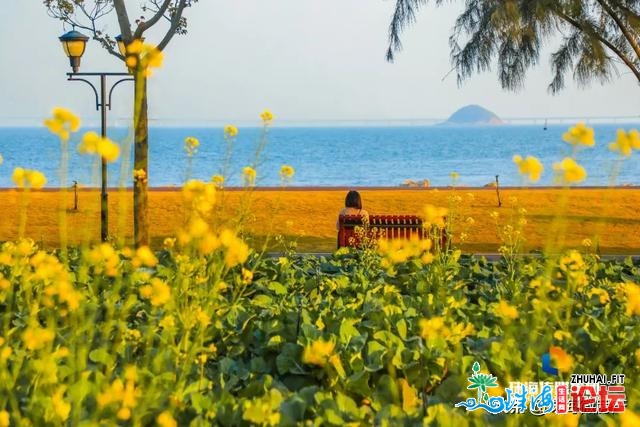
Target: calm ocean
338, 156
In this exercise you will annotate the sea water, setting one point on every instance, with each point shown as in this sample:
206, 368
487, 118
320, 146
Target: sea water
329, 156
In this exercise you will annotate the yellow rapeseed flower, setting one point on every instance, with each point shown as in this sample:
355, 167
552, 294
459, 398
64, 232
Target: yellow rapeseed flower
92, 143
434, 215
433, 328
286, 172
632, 293
27, 178
249, 176
200, 195
563, 361
191, 145
230, 131
580, 134
629, 418
139, 176
63, 123
625, 143
218, 181
123, 413
237, 251
569, 171
318, 352
143, 57
61, 407
144, 257
247, 276
159, 293
531, 167
5, 420
561, 335
35, 337
266, 116
165, 419
506, 311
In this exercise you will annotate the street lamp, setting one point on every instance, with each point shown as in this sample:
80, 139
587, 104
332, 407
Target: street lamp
74, 44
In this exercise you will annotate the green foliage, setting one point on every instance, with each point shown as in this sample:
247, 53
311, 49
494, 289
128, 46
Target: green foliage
326, 341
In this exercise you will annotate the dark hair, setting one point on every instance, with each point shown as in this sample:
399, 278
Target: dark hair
353, 200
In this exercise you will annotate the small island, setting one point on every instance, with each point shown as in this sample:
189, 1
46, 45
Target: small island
473, 115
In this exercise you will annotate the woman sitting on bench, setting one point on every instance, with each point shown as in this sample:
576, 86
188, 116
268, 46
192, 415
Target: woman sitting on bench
353, 206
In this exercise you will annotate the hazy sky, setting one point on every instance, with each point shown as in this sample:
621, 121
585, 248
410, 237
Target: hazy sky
306, 60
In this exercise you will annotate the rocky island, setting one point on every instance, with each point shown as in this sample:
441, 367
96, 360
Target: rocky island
473, 115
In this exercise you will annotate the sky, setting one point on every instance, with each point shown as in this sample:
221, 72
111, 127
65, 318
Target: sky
308, 61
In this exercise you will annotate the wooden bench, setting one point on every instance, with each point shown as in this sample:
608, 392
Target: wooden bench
382, 226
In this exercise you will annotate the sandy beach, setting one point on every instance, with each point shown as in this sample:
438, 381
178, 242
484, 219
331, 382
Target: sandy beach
608, 217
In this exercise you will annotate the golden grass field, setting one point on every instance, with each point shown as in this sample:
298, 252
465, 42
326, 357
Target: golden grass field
609, 217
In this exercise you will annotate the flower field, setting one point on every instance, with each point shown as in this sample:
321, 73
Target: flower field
214, 334
211, 331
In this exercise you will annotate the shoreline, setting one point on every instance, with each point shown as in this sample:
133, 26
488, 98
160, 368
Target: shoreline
343, 188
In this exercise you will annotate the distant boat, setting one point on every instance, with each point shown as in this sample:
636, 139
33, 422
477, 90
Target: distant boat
545, 125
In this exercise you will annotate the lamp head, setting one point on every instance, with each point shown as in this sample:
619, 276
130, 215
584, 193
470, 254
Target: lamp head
74, 43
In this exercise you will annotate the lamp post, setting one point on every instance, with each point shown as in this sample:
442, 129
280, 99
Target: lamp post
74, 44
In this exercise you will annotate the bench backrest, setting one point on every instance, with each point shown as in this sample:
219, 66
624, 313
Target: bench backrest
380, 226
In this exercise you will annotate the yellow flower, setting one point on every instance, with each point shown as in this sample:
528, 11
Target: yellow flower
218, 181
530, 166
60, 406
247, 276
144, 257
249, 176
286, 172
35, 338
123, 413
92, 143
318, 352
632, 292
561, 335
568, 171
454, 176
266, 116
159, 293
434, 215
191, 145
562, 360
629, 418
200, 195
62, 123
433, 328
580, 135
165, 419
230, 131
4, 419
142, 56
625, 143
506, 311
237, 250
26, 178
139, 175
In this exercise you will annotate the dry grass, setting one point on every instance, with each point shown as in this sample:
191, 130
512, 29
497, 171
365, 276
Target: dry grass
607, 216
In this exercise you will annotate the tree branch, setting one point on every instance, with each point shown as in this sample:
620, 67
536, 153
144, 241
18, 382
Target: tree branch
604, 41
631, 38
123, 20
154, 19
175, 23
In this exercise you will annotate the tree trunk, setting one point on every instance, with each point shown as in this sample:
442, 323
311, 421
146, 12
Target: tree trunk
141, 162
